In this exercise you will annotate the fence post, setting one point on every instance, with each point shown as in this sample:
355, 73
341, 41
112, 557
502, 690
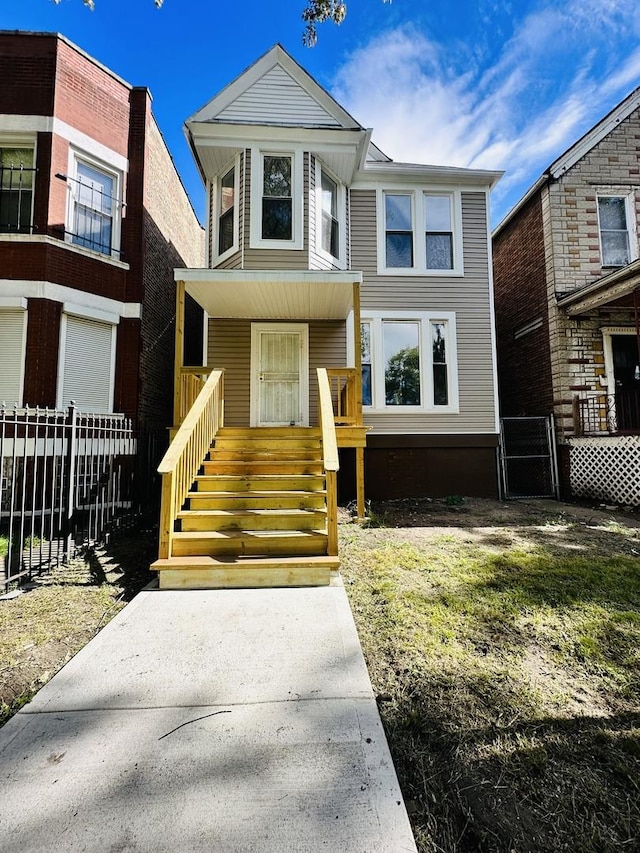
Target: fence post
575, 411
70, 478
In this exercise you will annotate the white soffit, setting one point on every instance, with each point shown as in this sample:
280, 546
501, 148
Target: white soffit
271, 296
342, 150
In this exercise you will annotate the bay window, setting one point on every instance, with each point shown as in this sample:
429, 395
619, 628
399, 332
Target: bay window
276, 199
16, 188
93, 217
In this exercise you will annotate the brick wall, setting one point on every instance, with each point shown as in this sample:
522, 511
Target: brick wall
41, 365
524, 366
172, 237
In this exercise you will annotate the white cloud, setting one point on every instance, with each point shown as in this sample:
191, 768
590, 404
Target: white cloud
561, 69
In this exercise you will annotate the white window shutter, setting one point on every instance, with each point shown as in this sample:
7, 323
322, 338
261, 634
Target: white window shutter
87, 368
12, 331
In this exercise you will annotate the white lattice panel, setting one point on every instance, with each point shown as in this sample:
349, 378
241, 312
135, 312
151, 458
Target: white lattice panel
606, 469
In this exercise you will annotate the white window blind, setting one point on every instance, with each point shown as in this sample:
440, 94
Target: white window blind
87, 371
12, 331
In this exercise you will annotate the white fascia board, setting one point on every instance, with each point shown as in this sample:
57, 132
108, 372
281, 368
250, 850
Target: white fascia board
375, 174
248, 135
596, 134
276, 55
79, 299
351, 277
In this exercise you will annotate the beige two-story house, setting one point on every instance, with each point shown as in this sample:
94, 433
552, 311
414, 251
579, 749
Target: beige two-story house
350, 326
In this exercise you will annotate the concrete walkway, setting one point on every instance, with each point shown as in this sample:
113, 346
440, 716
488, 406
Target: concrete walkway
207, 721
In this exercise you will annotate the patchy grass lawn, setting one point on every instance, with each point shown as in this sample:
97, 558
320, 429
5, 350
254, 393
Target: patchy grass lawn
503, 642
44, 627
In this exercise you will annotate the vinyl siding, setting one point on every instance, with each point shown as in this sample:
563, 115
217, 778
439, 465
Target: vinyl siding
230, 348
467, 296
277, 99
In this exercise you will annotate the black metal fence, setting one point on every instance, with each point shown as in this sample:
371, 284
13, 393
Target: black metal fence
66, 479
608, 414
16, 197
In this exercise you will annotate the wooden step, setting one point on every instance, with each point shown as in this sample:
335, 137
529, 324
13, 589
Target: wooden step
260, 482
282, 457
253, 519
291, 444
251, 499
233, 543
269, 432
263, 466
244, 572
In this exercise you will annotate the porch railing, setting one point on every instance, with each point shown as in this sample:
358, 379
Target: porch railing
330, 457
186, 452
192, 381
607, 414
66, 479
343, 389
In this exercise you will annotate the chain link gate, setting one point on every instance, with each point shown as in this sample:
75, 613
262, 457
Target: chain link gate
528, 461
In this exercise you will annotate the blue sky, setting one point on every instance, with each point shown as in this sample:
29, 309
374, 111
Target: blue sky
486, 84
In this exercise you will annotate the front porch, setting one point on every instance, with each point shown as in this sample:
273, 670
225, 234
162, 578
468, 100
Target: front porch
250, 480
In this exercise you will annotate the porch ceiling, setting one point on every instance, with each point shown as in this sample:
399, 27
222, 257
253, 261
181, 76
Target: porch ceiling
616, 285
268, 295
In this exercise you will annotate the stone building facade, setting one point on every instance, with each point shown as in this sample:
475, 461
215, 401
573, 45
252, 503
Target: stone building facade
567, 280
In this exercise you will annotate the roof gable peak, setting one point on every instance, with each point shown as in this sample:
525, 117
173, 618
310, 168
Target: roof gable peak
275, 90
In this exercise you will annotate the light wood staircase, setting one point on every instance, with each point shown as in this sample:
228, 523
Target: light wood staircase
256, 514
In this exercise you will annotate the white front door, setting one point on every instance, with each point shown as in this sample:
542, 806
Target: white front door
279, 374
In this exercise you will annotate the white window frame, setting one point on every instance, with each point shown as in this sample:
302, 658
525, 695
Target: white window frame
424, 319
419, 267
630, 215
86, 313
338, 260
77, 156
217, 201
8, 140
256, 240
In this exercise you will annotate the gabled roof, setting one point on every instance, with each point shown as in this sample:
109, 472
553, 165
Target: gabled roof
275, 90
577, 151
597, 133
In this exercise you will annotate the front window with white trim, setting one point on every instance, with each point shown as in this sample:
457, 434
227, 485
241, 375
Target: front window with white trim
617, 237
93, 218
404, 215
409, 362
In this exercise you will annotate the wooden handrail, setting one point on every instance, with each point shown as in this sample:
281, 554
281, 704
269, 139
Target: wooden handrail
182, 460
330, 457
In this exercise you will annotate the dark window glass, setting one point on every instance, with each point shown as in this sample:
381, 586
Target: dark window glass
16, 189
277, 209
440, 378
401, 363
399, 231
227, 201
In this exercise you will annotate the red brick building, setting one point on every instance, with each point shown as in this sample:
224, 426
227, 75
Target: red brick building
93, 219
